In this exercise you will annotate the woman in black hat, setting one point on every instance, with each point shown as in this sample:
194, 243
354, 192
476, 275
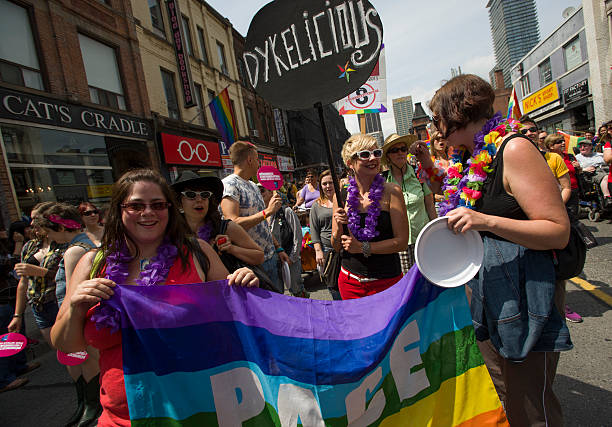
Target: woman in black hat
199, 198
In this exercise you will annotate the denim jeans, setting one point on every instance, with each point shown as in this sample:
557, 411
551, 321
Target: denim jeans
270, 266
513, 301
10, 366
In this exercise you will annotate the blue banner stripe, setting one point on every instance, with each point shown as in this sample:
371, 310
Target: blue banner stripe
299, 355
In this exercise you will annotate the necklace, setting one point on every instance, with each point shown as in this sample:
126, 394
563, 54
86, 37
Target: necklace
153, 273
368, 232
463, 189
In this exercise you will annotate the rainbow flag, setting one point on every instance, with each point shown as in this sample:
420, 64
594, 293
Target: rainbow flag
214, 355
221, 110
571, 141
514, 109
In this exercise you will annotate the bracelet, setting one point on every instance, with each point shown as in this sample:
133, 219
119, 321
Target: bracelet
279, 250
365, 249
17, 315
264, 214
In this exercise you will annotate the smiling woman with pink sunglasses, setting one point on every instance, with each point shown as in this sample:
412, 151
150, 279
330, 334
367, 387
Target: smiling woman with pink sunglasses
146, 242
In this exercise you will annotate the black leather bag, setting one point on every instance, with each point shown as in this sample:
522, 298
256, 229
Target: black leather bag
569, 261
331, 270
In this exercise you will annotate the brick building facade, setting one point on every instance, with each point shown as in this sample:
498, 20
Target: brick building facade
74, 110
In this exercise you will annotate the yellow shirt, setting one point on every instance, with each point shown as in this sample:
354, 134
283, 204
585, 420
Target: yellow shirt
556, 164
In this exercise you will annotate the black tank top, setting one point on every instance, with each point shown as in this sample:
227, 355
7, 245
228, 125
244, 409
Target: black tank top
495, 200
376, 266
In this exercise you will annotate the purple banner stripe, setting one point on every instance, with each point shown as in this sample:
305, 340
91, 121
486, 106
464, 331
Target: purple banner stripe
259, 308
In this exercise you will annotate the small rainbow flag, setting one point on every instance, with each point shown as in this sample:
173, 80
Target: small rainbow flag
514, 109
217, 355
221, 110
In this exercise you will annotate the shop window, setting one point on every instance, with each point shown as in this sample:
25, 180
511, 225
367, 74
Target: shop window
55, 165
102, 73
201, 111
545, 72
187, 35
222, 60
157, 20
18, 56
572, 54
171, 97
525, 86
201, 38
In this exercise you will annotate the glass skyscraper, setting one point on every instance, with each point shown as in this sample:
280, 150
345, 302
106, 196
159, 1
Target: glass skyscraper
403, 111
515, 31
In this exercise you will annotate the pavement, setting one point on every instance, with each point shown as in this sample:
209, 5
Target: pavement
583, 383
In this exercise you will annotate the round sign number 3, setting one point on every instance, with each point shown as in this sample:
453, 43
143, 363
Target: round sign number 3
363, 100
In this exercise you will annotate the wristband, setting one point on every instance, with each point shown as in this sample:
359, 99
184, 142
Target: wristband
365, 249
279, 250
17, 315
264, 214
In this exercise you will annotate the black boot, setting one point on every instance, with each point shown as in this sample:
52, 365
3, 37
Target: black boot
93, 409
80, 392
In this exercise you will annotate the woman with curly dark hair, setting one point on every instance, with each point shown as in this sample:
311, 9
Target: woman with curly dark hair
199, 198
146, 242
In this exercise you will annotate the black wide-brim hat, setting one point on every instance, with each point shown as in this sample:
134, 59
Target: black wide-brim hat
206, 182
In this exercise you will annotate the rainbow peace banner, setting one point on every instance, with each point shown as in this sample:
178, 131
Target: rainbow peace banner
214, 355
221, 110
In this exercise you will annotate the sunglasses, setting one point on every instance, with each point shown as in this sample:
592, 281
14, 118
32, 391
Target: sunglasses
366, 154
191, 195
531, 129
90, 213
394, 150
133, 207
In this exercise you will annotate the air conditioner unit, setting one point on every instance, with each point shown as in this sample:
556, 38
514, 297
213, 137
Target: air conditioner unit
255, 133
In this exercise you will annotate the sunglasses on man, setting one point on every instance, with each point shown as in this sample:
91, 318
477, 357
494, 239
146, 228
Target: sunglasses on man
191, 195
366, 154
532, 129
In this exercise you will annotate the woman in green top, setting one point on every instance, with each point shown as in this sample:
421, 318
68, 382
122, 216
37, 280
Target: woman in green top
417, 196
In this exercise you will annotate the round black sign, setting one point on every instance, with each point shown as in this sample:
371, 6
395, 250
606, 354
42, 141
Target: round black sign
298, 53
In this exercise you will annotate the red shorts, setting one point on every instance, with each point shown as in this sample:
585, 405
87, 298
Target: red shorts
351, 287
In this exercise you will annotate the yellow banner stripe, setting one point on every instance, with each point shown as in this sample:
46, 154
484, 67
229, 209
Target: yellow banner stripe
458, 400
594, 290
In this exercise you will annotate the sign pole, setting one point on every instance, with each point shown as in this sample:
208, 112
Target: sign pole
332, 164
330, 155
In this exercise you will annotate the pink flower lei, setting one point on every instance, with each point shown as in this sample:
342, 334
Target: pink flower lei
463, 189
368, 232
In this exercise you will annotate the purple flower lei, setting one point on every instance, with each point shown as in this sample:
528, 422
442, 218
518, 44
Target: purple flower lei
117, 270
205, 231
368, 232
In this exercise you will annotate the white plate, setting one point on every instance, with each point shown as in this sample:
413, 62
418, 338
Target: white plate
447, 259
286, 275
